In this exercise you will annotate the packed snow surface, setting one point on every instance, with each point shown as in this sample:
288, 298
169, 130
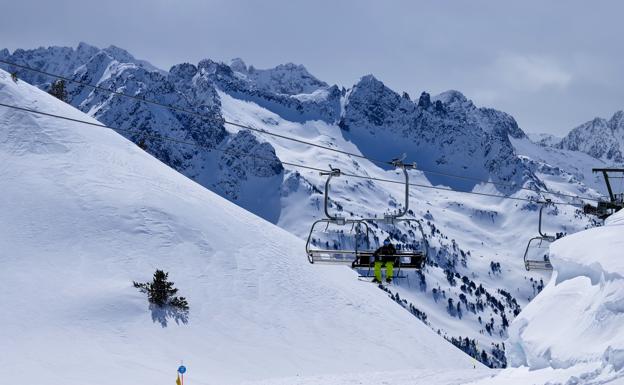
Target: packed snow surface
86, 212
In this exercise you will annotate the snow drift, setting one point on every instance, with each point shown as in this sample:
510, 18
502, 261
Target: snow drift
85, 212
578, 317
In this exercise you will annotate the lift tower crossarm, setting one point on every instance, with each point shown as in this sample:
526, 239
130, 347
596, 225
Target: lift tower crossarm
605, 173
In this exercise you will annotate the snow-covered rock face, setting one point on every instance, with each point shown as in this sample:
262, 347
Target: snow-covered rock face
288, 90
446, 133
544, 140
603, 139
579, 316
185, 87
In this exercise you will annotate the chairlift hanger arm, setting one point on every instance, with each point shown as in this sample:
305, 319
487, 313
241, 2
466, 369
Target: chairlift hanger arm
334, 172
398, 163
547, 202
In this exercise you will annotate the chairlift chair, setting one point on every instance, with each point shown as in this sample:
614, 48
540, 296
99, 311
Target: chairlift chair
361, 255
536, 255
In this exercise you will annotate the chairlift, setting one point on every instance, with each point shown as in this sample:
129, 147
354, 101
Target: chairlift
360, 253
536, 255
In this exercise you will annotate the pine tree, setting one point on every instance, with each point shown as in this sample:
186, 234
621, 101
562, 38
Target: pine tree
58, 90
161, 292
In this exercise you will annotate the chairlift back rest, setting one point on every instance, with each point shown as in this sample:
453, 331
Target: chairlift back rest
415, 260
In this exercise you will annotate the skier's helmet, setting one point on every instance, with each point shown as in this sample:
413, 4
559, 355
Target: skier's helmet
386, 242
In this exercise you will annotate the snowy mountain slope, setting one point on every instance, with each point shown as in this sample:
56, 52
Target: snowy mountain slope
580, 374
601, 138
544, 139
86, 212
570, 334
565, 168
115, 69
476, 242
465, 235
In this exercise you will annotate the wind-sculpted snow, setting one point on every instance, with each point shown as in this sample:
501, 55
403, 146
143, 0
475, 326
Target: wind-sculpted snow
603, 139
579, 316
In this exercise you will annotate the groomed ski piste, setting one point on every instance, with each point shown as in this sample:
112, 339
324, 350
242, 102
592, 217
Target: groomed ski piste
85, 212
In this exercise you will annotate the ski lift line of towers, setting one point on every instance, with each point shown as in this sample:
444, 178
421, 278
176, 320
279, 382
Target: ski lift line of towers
355, 256
363, 258
358, 257
282, 136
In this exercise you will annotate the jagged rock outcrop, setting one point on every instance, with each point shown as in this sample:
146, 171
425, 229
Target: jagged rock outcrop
287, 90
447, 133
600, 138
206, 158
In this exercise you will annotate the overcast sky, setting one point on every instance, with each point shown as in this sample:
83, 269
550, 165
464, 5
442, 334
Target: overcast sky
551, 64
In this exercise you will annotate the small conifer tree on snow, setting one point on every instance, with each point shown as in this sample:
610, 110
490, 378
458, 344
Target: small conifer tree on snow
161, 292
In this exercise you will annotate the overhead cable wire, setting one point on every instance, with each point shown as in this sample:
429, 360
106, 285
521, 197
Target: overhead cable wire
296, 165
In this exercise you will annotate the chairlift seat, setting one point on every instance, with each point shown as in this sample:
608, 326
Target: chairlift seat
402, 259
537, 264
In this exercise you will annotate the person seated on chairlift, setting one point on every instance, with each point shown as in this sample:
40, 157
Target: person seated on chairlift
384, 255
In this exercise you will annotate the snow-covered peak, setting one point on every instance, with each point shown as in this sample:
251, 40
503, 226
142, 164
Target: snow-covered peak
287, 79
383, 124
86, 49
544, 139
64, 61
123, 56
617, 122
238, 65
599, 137
451, 97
